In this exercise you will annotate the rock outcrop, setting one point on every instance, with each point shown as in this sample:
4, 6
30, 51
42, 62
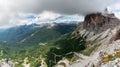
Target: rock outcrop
63, 63
98, 22
103, 31
6, 63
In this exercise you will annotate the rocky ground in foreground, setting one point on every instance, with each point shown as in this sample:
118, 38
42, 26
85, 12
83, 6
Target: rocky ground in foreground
6, 63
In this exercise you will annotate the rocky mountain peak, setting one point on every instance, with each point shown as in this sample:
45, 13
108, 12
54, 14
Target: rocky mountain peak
103, 31
99, 22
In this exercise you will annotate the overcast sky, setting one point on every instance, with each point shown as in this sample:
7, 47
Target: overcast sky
14, 12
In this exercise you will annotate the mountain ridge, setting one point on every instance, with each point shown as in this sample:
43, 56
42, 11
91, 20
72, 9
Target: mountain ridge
36, 31
103, 30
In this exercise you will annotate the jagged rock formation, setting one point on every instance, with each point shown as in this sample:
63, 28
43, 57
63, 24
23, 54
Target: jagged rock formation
102, 31
98, 22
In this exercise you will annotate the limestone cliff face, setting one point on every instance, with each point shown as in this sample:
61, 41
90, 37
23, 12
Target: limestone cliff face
98, 22
103, 31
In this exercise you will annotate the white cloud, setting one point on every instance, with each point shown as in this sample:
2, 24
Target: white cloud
47, 16
10, 10
44, 17
25, 18
115, 8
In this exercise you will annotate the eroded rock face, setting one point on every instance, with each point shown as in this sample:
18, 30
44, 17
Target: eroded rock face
102, 29
98, 22
92, 19
116, 36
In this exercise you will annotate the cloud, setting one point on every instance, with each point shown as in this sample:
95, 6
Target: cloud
10, 9
59, 6
47, 16
28, 18
44, 17
115, 8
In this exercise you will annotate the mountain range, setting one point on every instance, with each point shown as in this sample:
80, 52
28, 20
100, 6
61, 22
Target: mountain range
35, 39
91, 43
35, 33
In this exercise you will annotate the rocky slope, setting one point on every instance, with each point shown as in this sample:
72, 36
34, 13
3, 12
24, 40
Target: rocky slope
103, 34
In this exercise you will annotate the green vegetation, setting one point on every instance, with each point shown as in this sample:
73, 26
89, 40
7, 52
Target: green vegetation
88, 51
66, 46
32, 35
91, 46
53, 51
52, 44
111, 57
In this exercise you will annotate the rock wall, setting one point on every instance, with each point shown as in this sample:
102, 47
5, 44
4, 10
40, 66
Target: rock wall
98, 22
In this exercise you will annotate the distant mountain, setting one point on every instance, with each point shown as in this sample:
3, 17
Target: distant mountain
15, 33
36, 33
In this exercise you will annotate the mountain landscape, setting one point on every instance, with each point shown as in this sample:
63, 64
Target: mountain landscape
102, 32
91, 43
59, 33
33, 39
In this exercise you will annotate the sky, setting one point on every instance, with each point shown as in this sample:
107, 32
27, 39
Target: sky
17, 12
